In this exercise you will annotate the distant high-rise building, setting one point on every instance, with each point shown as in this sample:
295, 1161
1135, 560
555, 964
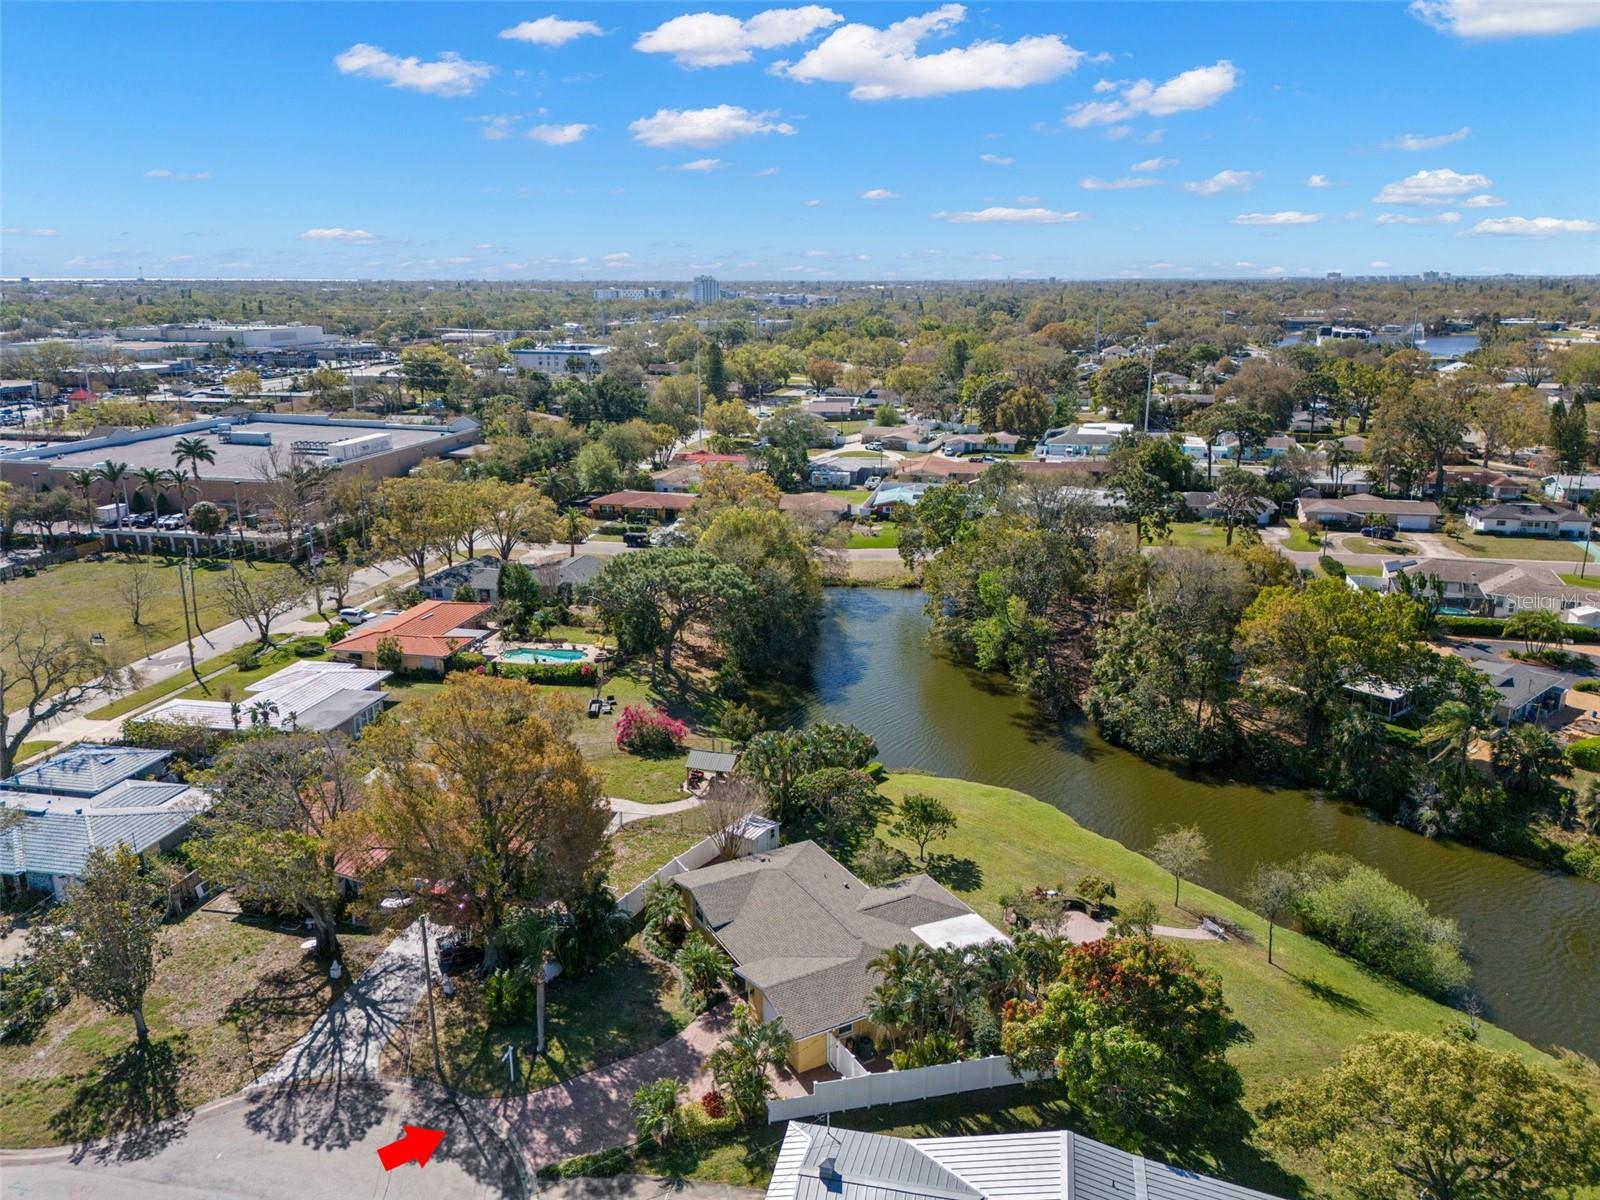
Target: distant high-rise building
705, 290
1335, 274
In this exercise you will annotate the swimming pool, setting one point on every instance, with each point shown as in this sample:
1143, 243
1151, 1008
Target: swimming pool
528, 655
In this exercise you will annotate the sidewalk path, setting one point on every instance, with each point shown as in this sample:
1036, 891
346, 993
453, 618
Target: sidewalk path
626, 812
591, 1112
347, 1041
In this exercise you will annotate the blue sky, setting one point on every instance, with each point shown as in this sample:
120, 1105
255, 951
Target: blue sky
811, 142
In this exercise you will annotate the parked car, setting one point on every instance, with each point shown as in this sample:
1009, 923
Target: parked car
354, 616
874, 446
873, 482
635, 538
1384, 532
457, 954
172, 521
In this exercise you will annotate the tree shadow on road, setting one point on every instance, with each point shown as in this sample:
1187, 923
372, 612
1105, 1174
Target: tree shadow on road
473, 1140
130, 1107
327, 1114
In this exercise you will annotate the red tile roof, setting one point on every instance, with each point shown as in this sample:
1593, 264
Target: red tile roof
425, 631
642, 500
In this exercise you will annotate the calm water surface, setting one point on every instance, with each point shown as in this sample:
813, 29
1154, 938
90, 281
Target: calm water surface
1534, 936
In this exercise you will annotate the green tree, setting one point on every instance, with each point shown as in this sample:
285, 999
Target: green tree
1359, 910
1025, 412
1180, 852
1404, 1115
598, 469
1529, 761
431, 370
655, 1109
778, 758
776, 628
1136, 1035
741, 1064
1539, 628
1238, 500
703, 970
191, 452
716, 372
648, 598
242, 384
1274, 890
114, 913
922, 819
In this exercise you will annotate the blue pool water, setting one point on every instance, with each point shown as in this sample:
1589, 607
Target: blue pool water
526, 655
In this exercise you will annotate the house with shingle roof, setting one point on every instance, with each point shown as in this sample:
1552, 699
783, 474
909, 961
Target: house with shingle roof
801, 930
86, 797
818, 1162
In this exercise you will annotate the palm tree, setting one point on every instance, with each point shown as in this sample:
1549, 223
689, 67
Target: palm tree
183, 485
574, 528
194, 451
85, 480
154, 480
1451, 728
115, 475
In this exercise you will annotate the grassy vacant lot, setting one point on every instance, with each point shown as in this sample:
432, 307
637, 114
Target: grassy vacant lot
1295, 1017
1543, 549
1300, 539
887, 538
86, 596
1199, 534
629, 1005
226, 1003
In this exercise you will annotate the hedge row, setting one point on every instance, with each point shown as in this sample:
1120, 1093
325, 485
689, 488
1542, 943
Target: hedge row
562, 674
1496, 626
1585, 753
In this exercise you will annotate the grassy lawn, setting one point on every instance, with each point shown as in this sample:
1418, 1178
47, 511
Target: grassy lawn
854, 454
646, 780
853, 495
848, 427
226, 1003
231, 684
1299, 539
28, 749
628, 1005
640, 847
158, 691
1362, 569
86, 597
1200, 534
1542, 549
887, 538
1589, 580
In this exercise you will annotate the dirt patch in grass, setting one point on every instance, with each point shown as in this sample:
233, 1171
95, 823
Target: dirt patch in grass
231, 997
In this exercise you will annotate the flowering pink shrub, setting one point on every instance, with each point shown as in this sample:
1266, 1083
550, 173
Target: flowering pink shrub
649, 732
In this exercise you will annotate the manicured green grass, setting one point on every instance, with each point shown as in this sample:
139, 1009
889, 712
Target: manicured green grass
1299, 539
856, 454
853, 495
1362, 569
887, 538
848, 427
86, 597
645, 780
1589, 580
1301, 1013
1199, 534
630, 1004
28, 749
1360, 545
1542, 549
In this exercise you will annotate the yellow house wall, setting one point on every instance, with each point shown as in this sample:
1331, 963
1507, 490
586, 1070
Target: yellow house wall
807, 1054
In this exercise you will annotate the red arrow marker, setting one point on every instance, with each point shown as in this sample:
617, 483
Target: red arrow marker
416, 1146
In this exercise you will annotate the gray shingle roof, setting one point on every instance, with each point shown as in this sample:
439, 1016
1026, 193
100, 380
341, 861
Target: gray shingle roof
803, 929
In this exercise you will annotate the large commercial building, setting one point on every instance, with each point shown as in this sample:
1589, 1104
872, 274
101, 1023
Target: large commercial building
632, 293
705, 290
247, 450
243, 337
563, 358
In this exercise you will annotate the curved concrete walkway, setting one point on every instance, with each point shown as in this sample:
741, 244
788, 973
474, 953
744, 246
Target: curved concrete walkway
625, 812
591, 1112
1081, 927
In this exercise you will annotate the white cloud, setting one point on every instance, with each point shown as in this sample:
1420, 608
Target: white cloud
1016, 216
19, 231
1272, 270
550, 31
1390, 218
813, 203
1194, 89
1483, 200
704, 126
880, 194
177, 176
618, 256
1117, 132
1534, 226
1416, 141
713, 40
996, 160
1507, 18
1093, 184
1378, 264
336, 234
767, 172
1154, 164
1223, 181
1028, 201
447, 75
1430, 187
701, 164
1319, 181
497, 129
883, 64
1287, 217
558, 135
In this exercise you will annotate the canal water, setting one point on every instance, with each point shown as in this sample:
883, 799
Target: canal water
1534, 936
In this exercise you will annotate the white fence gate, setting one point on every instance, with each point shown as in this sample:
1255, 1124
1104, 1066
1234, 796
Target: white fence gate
895, 1087
842, 1061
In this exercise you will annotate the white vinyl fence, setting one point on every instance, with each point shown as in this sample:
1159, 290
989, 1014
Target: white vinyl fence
842, 1061
758, 834
896, 1087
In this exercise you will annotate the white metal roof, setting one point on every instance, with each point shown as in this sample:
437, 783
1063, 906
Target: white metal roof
967, 929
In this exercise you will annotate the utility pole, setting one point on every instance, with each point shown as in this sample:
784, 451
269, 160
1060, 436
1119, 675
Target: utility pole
433, 1020
1150, 373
